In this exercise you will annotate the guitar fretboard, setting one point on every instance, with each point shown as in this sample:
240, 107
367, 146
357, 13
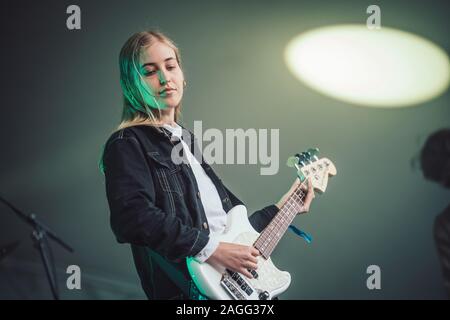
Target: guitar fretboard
271, 235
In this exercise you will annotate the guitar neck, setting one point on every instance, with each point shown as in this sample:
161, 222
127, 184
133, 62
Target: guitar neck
272, 234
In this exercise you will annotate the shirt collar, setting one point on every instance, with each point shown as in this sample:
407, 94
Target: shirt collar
176, 131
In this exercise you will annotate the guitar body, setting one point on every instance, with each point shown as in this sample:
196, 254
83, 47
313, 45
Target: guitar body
217, 283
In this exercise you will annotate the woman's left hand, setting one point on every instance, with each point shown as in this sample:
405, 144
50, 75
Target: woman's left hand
307, 200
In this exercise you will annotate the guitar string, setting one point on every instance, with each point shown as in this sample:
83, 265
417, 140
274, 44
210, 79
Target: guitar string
283, 221
267, 241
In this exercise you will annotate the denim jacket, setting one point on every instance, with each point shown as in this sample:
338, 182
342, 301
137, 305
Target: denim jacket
155, 205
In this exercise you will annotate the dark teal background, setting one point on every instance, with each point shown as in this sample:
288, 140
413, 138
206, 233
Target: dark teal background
61, 99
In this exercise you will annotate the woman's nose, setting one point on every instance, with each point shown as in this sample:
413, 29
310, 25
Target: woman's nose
162, 77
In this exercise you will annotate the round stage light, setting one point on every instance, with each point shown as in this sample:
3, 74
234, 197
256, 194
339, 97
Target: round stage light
377, 68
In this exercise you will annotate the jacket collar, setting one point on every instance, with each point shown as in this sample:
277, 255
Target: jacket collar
165, 133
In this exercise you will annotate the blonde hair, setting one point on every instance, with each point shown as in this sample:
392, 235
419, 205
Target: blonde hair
136, 94
139, 103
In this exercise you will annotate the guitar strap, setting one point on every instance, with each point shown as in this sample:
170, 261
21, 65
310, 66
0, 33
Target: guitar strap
301, 233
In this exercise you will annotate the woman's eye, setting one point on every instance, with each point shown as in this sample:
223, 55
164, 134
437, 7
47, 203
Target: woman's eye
171, 67
149, 73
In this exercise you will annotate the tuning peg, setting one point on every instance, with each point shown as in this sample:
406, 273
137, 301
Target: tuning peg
307, 157
301, 159
310, 157
313, 152
292, 161
297, 161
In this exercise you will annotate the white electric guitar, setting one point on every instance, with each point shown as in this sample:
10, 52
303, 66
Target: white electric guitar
218, 283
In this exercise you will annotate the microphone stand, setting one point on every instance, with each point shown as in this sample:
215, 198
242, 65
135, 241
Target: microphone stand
40, 236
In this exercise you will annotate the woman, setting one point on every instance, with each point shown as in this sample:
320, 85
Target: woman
165, 209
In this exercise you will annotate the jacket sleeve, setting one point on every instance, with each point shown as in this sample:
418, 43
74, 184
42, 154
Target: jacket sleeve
131, 196
260, 218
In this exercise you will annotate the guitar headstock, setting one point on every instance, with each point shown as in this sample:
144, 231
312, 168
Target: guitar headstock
308, 165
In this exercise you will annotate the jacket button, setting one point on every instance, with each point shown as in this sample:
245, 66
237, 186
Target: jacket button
198, 194
205, 225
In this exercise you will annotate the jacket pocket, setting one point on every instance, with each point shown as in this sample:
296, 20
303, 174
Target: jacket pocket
167, 173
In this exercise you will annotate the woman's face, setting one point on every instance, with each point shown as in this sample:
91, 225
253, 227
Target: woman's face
163, 74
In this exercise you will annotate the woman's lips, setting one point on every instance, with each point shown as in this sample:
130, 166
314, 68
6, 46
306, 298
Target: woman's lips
167, 92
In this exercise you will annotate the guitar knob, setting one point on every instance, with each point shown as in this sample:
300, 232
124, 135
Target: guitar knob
263, 295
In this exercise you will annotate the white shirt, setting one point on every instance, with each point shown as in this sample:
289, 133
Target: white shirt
216, 216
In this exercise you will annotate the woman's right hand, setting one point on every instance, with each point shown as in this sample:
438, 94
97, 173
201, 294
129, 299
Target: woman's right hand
235, 257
